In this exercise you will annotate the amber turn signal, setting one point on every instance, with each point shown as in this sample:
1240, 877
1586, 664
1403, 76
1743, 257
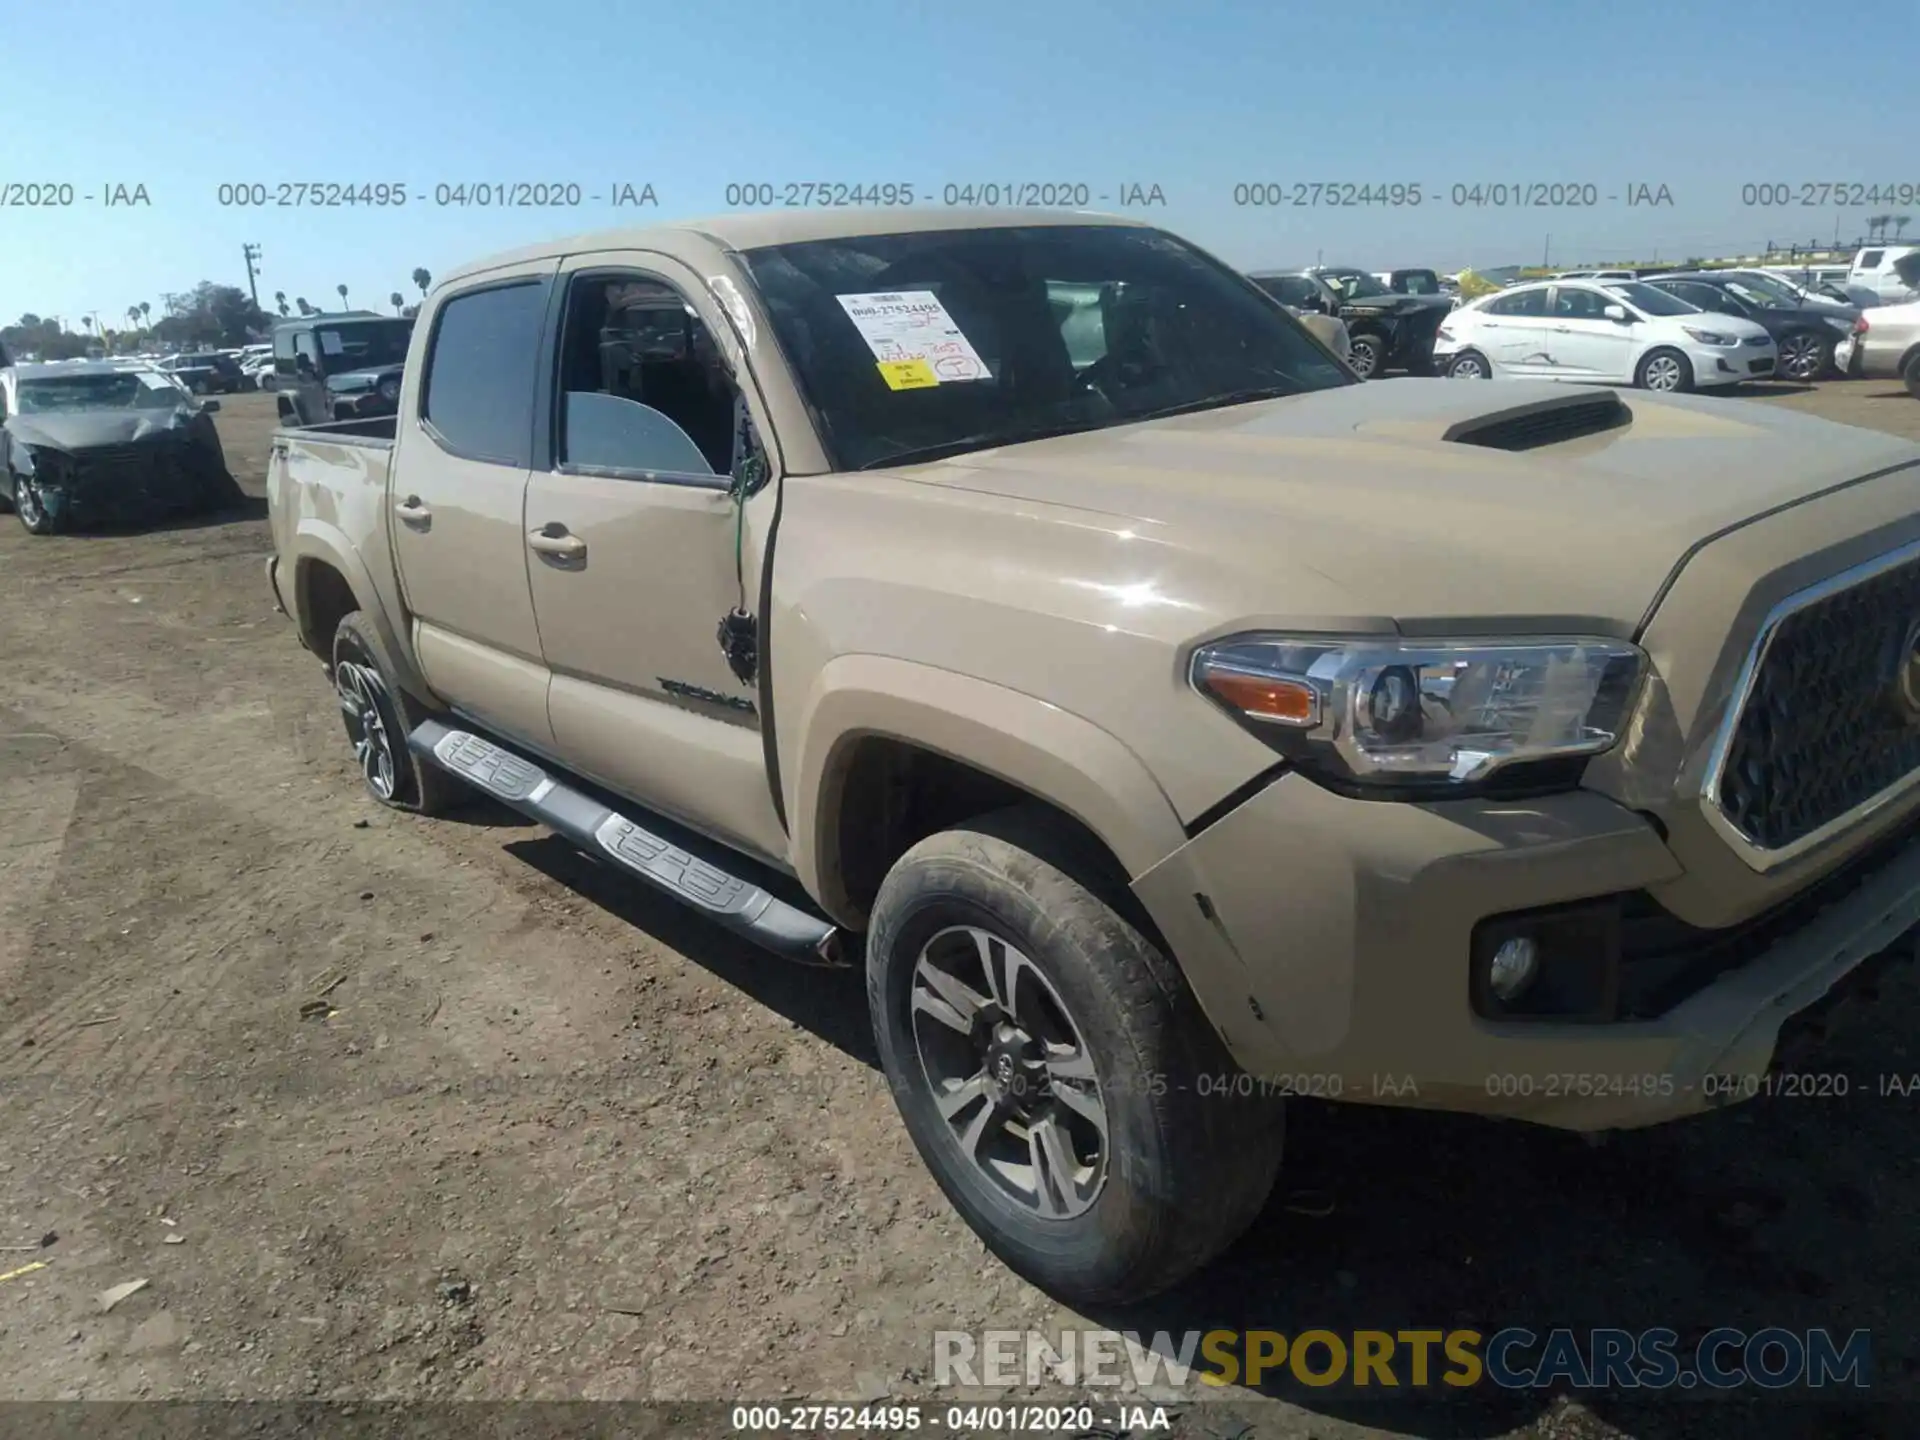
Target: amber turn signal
1264, 697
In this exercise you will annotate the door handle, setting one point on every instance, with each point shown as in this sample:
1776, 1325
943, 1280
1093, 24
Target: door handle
412, 512
553, 539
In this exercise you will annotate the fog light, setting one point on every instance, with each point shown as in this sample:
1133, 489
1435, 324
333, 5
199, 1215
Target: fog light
1513, 967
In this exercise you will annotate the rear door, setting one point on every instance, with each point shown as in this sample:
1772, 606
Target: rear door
1513, 332
637, 549
457, 500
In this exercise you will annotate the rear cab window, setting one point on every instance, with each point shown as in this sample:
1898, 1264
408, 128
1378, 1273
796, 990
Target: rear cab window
476, 397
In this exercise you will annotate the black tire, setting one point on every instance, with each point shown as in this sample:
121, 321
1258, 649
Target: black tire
1653, 366
1911, 375
1805, 356
1369, 358
1185, 1169
31, 510
414, 786
1469, 365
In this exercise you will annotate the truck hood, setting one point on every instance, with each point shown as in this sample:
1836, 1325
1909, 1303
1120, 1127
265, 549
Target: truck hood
1403, 502
77, 431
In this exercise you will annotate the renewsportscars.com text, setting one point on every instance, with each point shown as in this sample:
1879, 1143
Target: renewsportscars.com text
1512, 1358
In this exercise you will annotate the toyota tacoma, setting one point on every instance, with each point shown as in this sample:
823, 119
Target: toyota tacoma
1169, 723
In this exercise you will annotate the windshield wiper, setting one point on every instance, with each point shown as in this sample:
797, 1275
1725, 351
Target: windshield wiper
1217, 402
991, 440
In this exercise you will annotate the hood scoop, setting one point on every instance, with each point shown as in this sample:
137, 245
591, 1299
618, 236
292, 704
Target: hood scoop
1543, 422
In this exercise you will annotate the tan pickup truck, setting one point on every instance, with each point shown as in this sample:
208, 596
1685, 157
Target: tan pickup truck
1026, 607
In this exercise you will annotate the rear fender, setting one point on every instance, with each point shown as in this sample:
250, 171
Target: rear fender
318, 541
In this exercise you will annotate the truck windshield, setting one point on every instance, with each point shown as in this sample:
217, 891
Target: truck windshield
356, 347
916, 346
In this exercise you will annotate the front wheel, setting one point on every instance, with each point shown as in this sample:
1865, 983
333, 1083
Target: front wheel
1804, 356
31, 507
1369, 355
1666, 371
1911, 375
1053, 1069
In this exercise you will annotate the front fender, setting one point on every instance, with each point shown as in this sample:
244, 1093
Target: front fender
1052, 754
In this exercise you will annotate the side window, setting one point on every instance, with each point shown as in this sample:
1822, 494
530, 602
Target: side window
303, 345
478, 392
1572, 304
1082, 317
1295, 290
1869, 260
643, 388
1526, 302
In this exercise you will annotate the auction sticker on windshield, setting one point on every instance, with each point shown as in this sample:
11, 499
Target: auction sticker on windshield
914, 339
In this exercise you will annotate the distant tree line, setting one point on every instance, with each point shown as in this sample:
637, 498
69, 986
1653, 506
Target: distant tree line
209, 316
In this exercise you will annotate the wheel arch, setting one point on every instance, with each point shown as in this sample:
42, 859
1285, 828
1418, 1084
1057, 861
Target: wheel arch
329, 580
891, 751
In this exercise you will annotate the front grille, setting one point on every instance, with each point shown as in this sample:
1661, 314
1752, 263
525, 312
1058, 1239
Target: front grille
1664, 960
1823, 729
1758, 340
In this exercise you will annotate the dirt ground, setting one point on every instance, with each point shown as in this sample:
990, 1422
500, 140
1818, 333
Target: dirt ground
558, 1140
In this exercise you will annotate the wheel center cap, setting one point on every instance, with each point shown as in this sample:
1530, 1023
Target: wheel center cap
1003, 1068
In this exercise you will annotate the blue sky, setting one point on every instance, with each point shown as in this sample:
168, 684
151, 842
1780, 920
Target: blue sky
1195, 96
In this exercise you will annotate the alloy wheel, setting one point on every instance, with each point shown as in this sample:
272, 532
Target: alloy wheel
27, 503
1800, 357
363, 701
1663, 373
1010, 1072
1467, 367
1365, 359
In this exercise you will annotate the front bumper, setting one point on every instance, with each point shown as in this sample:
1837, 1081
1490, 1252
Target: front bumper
1330, 941
124, 484
1732, 364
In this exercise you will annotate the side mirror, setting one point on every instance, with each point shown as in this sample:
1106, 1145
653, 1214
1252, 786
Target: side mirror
209, 406
1617, 312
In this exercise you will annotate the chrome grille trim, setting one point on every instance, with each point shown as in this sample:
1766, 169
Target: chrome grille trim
1757, 857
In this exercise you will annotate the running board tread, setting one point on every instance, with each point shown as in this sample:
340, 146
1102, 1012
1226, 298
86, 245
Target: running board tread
735, 902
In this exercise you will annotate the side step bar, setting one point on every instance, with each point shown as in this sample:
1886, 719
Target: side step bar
601, 831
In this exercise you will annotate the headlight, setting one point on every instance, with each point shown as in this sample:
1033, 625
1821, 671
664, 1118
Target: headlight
1438, 715
1710, 337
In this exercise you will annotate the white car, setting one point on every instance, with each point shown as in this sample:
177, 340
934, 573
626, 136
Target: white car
1600, 333
1877, 268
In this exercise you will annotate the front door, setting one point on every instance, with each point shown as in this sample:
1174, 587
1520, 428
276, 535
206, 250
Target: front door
638, 549
1586, 345
457, 497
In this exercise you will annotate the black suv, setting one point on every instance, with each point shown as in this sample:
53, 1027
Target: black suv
206, 374
1389, 331
338, 367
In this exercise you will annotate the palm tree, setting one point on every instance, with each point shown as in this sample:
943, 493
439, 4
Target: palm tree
1900, 223
146, 309
300, 301
343, 295
133, 316
396, 299
422, 279
87, 320
1877, 224
280, 299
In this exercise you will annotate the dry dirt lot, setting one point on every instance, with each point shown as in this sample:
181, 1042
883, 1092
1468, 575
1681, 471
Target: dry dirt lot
561, 1141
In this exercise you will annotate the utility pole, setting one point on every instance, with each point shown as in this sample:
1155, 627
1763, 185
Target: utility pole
1546, 254
251, 253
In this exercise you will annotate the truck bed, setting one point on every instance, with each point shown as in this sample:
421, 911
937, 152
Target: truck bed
374, 430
